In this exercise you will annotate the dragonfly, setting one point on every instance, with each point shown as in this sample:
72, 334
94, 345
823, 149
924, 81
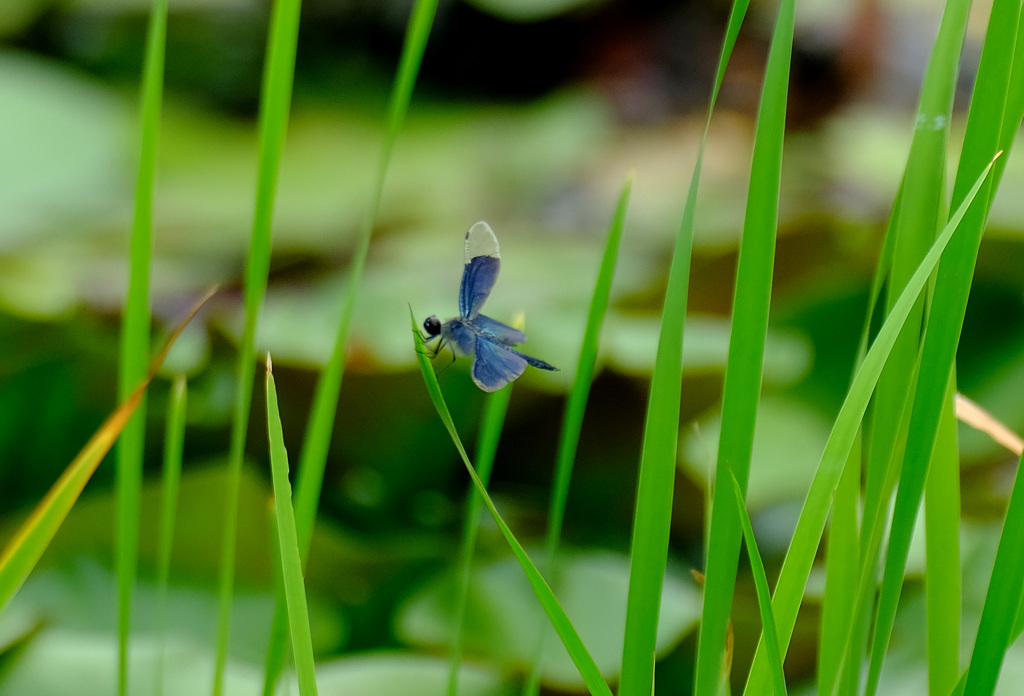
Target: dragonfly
495, 361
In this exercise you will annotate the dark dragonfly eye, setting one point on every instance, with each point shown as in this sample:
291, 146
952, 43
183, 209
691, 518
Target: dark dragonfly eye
432, 325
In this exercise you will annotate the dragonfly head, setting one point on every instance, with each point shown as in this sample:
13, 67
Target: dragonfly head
432, 325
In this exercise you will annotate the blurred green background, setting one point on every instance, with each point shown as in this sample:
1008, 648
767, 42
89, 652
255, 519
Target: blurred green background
529, 115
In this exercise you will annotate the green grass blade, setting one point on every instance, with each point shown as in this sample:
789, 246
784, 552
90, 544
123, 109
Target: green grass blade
1014, 111
914, 222
841, 571
325, 400
746, 354
653, 510
985, 123
487, 446
313, 458
288, 545
1003, 600
796, 567
556, 614
764, 597
576, 405
134, 349
174, 441
942, 539
275, 103
916, 216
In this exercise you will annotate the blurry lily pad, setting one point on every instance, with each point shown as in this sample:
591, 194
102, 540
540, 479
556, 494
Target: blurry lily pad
631, 342
74, 650
592, 588
63, 154
74, 662
788, 441
399, 674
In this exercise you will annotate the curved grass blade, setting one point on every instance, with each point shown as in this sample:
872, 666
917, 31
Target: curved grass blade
986, 130
30, 541
576, 405
317, 439
288, 545
919, 207
325, 400
811, 523
487, 445
559, 621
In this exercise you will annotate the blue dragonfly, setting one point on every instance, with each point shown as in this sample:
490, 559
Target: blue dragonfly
495, 362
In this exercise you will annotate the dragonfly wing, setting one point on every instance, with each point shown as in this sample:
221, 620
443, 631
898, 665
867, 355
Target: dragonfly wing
483, 261
503, 333
481, 241
494, 365
478, 278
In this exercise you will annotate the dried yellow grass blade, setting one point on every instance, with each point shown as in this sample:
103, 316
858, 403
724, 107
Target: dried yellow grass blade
978, 418
30, 541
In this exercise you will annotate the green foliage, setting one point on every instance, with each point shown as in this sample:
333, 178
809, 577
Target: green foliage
275, 106
392, 554
135, 334
288, 545
746, 354
556, 614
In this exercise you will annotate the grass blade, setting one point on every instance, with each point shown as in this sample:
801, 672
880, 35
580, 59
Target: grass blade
1003, 599
764, 598
313, 458
275, 102
920, 205
746, 353
653, 510
985, 124
288, 545
174, 440
556, 614
942, 555
325, 401
811, 523
576, 405
487, 446
134, 348
841, 571
587, 363
28, 543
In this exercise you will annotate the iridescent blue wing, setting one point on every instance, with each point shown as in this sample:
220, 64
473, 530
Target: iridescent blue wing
502, 333
477, 280
483, 261
494, 365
